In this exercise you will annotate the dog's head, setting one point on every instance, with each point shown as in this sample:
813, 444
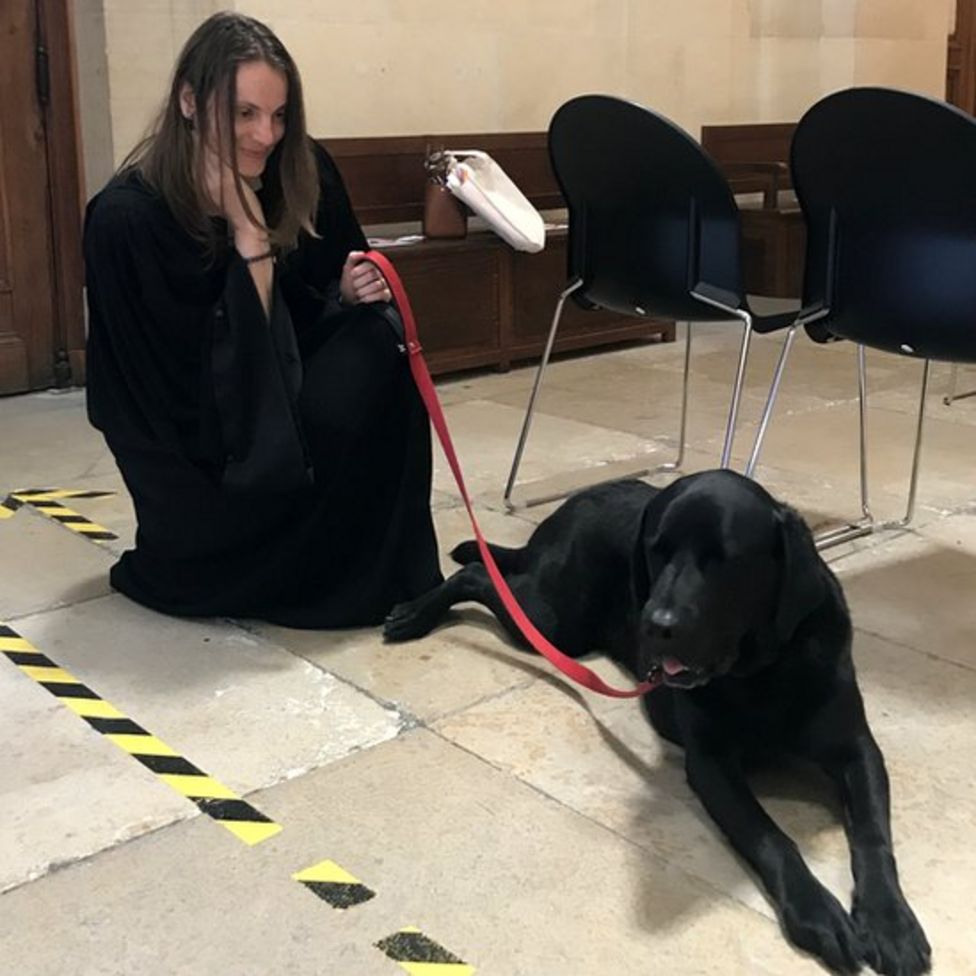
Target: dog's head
722, 577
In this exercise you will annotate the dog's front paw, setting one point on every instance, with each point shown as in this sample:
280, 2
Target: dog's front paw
416, 618
817, 922
401, 623
895, 944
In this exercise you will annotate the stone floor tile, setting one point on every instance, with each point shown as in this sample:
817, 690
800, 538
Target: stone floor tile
458, 665
917, 589
600, 758
530, 829
47, 441
246, 711
44, 565
65, 792
485, 435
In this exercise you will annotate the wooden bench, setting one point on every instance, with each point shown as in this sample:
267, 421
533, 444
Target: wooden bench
755, 161
478, 302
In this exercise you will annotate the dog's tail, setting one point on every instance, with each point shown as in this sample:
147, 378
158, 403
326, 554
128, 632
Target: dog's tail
509, 560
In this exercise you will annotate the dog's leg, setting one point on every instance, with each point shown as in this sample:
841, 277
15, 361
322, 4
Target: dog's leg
408, 621
894, 940
469, 584
507, 558
813, 918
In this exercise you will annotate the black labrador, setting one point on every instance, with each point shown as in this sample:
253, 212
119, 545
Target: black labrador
716, 588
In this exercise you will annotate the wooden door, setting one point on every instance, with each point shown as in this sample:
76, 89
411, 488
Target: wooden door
41, 315
961, 61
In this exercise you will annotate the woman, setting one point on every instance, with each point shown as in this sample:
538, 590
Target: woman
243, 364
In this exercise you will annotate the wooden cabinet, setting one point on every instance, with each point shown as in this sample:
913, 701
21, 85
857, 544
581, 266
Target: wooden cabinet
480, 303
754, 159
774, 245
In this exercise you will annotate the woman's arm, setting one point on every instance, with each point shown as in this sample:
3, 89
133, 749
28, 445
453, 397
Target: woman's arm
253, 245
250, 238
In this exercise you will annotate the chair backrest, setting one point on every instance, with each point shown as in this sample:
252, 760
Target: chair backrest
887, 183
651, 219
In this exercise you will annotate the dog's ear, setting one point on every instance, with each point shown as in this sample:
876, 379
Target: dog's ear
647, 530
640, 576
803, 584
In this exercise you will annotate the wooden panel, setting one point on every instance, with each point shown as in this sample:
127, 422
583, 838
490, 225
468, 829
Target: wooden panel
385, 174
27, 307
773, 252
755, 158
538, 280
961, 58
454, 290
478, 302
749, 143
66, 181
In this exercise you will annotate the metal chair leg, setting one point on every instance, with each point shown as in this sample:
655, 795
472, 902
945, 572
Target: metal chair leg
867, 524
916, 455
951, 395
707, 298
862, 409
530, 410
770, 401
683, 425
740, 374
951, 392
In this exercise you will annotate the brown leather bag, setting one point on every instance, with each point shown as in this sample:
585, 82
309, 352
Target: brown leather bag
444, 215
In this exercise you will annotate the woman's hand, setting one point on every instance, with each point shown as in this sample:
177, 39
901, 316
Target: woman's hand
362, 281
221, 188
250, 239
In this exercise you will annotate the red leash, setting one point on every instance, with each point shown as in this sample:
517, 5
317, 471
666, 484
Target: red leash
421, 375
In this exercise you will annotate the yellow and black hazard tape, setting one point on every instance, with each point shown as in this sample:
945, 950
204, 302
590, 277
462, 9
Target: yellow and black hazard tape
8, 506
47, 501
422, 956
334, 885
211, 797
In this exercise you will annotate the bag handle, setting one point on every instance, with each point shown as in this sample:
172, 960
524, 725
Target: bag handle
418, 367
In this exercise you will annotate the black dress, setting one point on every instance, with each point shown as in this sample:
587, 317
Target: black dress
279, 470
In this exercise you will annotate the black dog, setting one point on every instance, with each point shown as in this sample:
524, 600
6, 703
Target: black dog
718, 589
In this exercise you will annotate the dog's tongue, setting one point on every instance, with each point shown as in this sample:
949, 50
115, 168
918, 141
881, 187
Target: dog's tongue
672, 666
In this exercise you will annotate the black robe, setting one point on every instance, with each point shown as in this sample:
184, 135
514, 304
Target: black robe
279, 469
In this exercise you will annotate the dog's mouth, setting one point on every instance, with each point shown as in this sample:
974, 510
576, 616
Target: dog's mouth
675, 674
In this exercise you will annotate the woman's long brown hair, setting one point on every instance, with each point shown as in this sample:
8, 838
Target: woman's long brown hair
171, 162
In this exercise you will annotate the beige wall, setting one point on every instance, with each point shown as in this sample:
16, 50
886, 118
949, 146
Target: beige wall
92, 73
387, 67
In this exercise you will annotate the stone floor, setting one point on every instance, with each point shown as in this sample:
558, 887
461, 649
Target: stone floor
526, 828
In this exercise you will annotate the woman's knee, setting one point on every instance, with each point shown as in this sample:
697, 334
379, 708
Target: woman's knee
351, 378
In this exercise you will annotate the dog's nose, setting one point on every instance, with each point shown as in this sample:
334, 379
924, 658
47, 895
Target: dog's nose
662, 622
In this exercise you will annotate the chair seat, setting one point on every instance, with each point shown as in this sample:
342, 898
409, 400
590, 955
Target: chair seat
764, 324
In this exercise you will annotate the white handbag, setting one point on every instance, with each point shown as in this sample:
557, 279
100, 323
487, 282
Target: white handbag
479, 182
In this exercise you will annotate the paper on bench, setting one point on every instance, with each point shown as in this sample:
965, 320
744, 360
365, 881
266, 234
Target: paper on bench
478, 181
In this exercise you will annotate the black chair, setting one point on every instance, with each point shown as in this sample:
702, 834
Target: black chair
653, 231
887, 183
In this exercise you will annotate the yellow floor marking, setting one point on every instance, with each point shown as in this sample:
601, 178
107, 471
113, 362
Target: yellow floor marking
141, 745
198, 787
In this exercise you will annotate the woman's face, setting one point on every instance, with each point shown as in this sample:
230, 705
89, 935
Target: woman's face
260, 115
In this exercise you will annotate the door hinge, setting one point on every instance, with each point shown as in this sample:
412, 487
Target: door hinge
42, 74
